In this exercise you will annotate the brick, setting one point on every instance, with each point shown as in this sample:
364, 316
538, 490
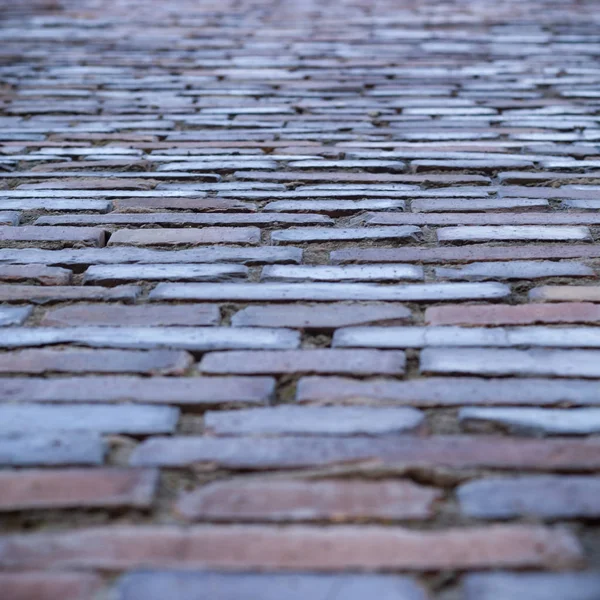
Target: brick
333, 207
351, 362
390, 452
111, 274
318, 234
35, 273
462, 254
14, 315
182, 237
157, 390
558, 293
63, 236
292, 548
519, 269
422, 337
445, 391
50, 448
300, 420
156, 315
319, 316
391, 165
544, 496
268, 586
326, 291
23, 418
469, 165
32, 489
55, 293
535, 421
122, 255
489, 361
189, 204
521, 314
141, 338
345, 273
341, 177
280, 500
85, 183
507, 233
8, 218
167, 362
38, 585
48, 204
534, 586
478, 204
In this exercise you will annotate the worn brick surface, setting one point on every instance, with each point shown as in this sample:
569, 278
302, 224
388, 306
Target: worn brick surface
307, 263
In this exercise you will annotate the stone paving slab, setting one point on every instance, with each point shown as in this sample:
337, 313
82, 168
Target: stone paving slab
299, 300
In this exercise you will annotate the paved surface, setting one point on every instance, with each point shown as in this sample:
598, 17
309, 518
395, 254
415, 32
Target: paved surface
300, 300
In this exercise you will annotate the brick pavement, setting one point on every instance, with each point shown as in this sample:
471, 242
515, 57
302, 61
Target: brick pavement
299, 300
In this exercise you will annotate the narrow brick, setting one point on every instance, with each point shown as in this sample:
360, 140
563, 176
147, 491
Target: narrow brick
534, 421
199, 204
520, 314
390, 452
8, 218
564, 293
544, 496
29, 418
275, 500
111, 274
449, 391
294, 547
533, 586
182, 237
351, 362
518, 269
313, 420
62, 293
157, 390
320, 316
345, 273
38, 585
63, 236
318, 234
191, 315
35, 273
334, 207
32, 489
326, 291
429, 205
508, 233
52, 448
491, 361
155, 585
72, 360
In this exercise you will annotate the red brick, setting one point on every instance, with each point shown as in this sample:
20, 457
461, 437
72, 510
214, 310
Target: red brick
120, 548
76, 488
300, 500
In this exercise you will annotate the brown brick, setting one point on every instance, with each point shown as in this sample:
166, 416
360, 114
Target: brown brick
76, 488
38, 585
271, 499
564, 293
142, 315
166, 362
35, 273
292, 548
42, 295
523, 314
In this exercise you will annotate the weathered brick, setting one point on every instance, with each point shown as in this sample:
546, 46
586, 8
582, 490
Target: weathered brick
274, 499
110, 274
534, 586
534, 421
62, 293
391, 452
14, 315
8, 218
74, 488
319, 316
326, 291
155, 585
520, 314
351, 362
440, 391
36, 273
313, 420
157, 390
145, 315
511, 205
345, 273
70, 360
488, 361
182, 237
545, 496
518, 269
318, 234
559, 293
39, 585
508, 233
63, 236
296, 547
